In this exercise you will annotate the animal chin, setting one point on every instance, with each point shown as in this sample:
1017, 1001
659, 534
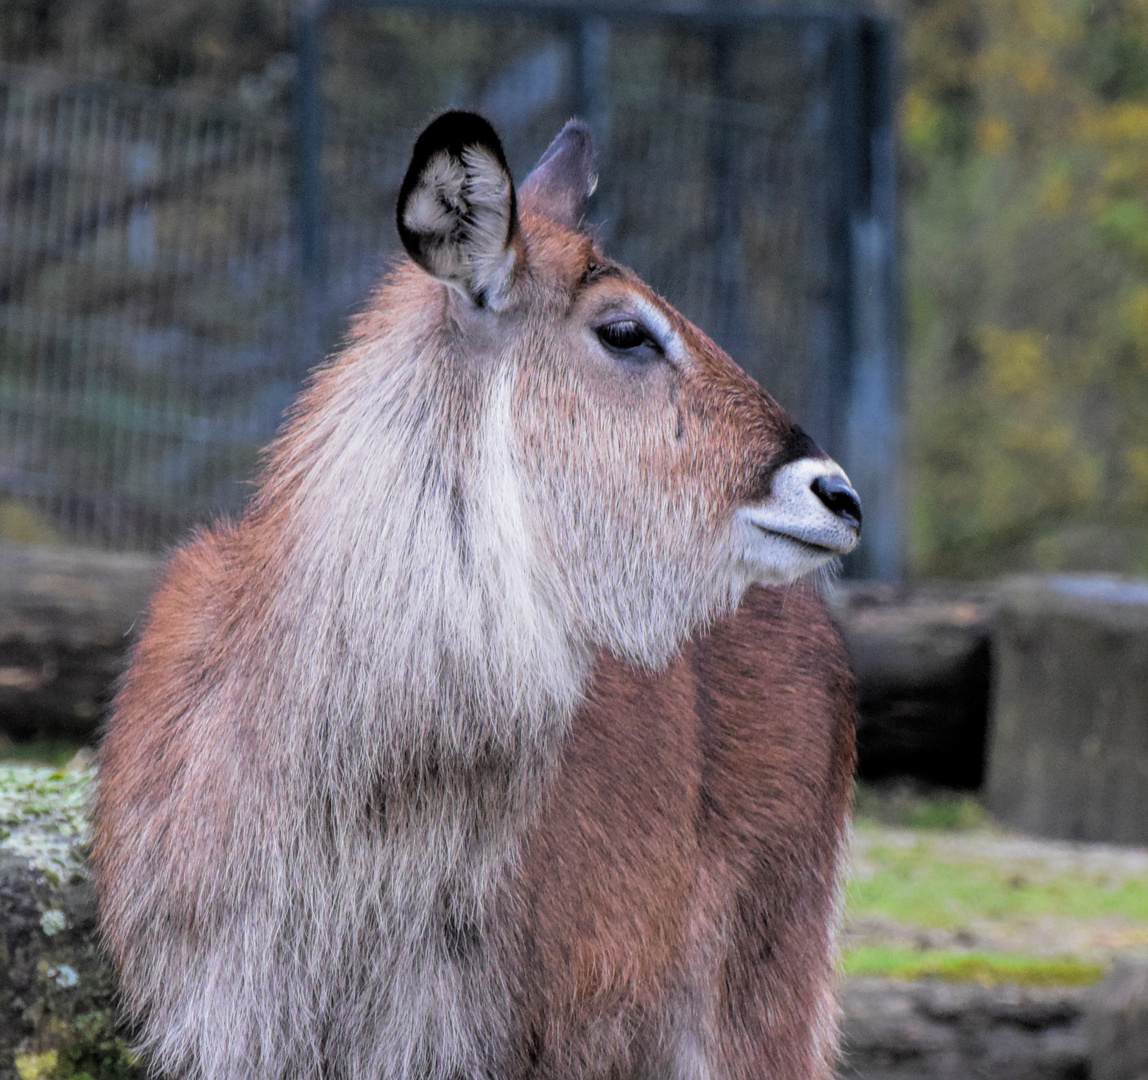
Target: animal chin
817, 548
782, 554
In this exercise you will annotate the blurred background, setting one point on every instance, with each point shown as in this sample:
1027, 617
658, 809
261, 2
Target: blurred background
921, 224
196, 193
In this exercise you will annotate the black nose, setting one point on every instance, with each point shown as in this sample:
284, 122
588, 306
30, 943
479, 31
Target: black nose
839, 497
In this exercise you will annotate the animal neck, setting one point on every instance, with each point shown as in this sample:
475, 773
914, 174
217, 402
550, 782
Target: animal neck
434, 678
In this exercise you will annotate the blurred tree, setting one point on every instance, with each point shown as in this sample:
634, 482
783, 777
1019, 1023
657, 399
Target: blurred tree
1025, 127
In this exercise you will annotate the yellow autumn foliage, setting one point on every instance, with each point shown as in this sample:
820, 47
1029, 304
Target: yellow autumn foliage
1015, 360
993, 134
1025, 138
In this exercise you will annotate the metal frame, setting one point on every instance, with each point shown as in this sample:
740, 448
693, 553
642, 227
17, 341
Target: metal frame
856, 407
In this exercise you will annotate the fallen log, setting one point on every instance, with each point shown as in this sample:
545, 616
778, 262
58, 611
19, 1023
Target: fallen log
65, 622
920, 652
921, 657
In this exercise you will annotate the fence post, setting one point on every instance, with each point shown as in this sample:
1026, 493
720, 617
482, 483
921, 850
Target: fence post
309, 138
861, 403
592, 77
309, 154
844, 157
871, 447
725, 202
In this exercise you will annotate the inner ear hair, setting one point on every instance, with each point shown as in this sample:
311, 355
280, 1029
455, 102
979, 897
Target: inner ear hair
457, 211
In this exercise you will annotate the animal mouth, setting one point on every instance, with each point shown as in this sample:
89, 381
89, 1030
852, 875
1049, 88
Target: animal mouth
801, 542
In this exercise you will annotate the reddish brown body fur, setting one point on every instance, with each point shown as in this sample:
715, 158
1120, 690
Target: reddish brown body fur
697, 819
687, 848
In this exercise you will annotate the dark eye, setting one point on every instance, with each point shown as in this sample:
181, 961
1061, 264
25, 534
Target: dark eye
627, 336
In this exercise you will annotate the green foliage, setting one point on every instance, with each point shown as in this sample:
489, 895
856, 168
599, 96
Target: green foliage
1025, 135
88, 1047
987, 969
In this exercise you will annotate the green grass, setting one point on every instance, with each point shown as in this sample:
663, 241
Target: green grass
987, 969
911, 885
51, 752
911, 807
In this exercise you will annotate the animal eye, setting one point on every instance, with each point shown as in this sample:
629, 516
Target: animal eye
626, 336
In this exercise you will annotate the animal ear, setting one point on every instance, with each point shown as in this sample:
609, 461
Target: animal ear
457, 215
564, 177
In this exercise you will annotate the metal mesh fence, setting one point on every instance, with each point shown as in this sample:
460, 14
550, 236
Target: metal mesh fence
155, 312
712, 201
720, 178
147, 285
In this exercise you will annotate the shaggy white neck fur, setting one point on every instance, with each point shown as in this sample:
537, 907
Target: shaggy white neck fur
430, 563
430, 685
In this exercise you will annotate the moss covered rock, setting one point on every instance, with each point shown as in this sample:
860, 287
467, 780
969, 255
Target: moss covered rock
57, 1017
57, 995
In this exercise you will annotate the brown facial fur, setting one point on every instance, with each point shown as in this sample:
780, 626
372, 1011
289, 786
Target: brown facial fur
466, 751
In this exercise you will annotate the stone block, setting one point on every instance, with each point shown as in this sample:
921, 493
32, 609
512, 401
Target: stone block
1068, 742
933, 1030
1116, 1024
57, 995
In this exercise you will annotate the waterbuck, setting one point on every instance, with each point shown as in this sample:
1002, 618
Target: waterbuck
497, 738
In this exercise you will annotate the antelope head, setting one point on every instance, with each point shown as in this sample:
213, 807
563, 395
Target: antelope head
658, 481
